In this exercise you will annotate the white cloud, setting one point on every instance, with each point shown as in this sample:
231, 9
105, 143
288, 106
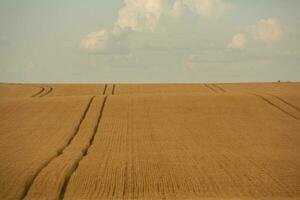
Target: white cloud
140, 15
238, 41
96, 40
136, 15
145, 16
203, 8
104, 41
268, 31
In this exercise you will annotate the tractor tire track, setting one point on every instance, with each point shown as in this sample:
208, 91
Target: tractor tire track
85, 151
274, 179
286, 102
59, 151
276, 106
50, 89
209, 87
113, 90
39, 92
219, 88
105, 87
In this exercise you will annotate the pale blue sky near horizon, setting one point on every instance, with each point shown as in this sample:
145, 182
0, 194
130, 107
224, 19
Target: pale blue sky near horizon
149, 41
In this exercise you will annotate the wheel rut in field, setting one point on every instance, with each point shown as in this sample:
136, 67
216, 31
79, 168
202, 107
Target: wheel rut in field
215, 88
59, 151
113, 90
78, 126
286, 102
210, 88
276, 106
50, 89
85, 151
219, 88
105, 87
42, 89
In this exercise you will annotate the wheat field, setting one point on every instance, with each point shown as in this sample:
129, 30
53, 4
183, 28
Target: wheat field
150, 141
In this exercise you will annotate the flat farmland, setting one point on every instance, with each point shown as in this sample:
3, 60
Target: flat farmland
51, 90
33, 132
162, 88
18, 90
150, 141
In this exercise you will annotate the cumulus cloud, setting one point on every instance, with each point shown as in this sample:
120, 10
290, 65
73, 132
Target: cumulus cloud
144, 16
104, 41
140, 15
203, 8
96, 40
136, 15
238, 41
266, 31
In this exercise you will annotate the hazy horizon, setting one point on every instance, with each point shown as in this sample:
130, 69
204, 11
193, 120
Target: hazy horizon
149, 41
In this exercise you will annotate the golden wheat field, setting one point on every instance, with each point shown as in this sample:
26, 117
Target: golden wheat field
150, 141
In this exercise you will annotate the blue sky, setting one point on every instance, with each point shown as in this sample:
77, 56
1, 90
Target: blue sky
149, 41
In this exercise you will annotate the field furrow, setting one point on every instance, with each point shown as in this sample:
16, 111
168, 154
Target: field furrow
150, 141
280, 105
219, 88
46, 92
109, 89
287, 102
18, 90
105, 88
190, 147
113, 89
39, 92
289, 98
280, 88
50, 182
75, 89
33, 132
211, 88
160, 89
